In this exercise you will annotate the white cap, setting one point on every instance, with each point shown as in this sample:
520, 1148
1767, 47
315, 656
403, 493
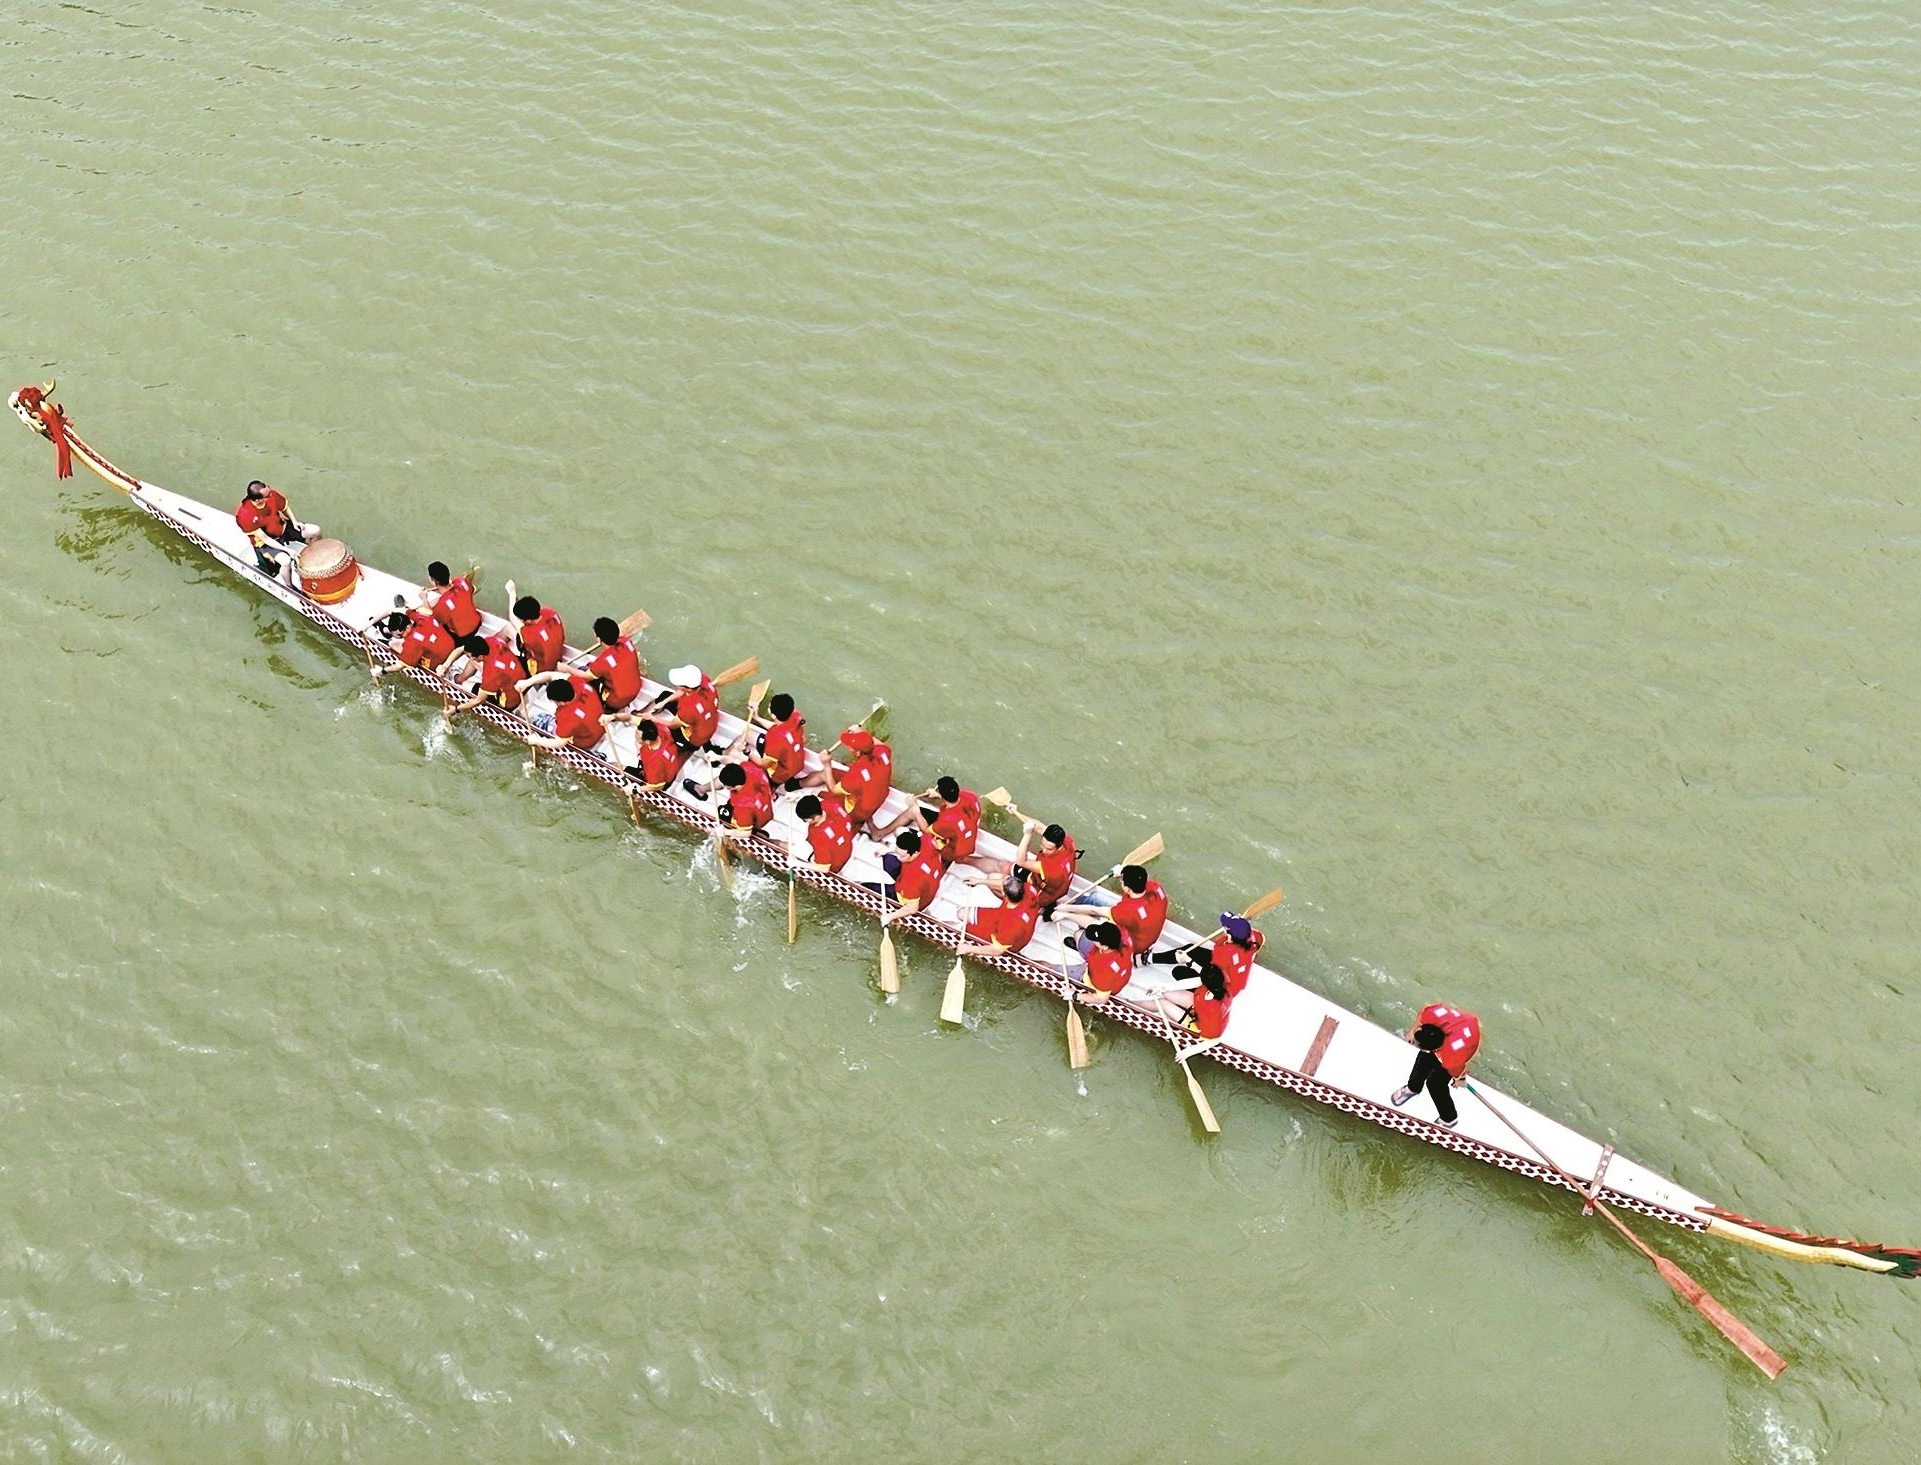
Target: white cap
685, 676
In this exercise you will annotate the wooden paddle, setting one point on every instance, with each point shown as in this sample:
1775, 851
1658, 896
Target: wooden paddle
739, 671
630, 626
1151, 848
726, 863
1076, 1034
1259, 908
793, 913
1201, 1106
889, 963
953, 1003
1692, 1292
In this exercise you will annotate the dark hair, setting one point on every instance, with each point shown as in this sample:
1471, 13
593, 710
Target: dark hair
1215, 980
560, 691
1134, 877
908, 840
1429, 1036
807, 806
608, 630
648, 731
475, 645
1054, 834
439, 573
526, 608
781, 705
256, 487
1105, 932
733, 775
948, 788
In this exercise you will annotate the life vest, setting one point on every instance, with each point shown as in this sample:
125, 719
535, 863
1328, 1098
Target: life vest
579, 721
501, 672
427, 643
266, 515
455, 609
542, 640
1463, 1040
957, 826
699, 709
1235, 960
1009, 927
783, 748
831, 837
1109, 971
1056, 871
659, 761
1210, 1013
617, 668
1141, 916
919, 878
752, 804
866, 782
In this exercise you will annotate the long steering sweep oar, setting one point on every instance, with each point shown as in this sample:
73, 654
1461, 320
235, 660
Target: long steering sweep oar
1692, 1292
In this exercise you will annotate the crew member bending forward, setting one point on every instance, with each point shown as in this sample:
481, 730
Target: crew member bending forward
1447, 1038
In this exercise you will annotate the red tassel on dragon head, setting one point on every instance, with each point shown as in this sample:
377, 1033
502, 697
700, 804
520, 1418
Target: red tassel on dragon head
36, 408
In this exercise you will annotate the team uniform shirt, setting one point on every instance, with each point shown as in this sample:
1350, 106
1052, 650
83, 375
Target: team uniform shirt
1235, 960
1109, 971
617, 669
266, 515
455, 609
752, 804
1210, 1013
698, 709
1463, 1038
783, 748
1141, 916
866, 782
659, 761
500, 673
1009, 927
427, 643
919, 877
958, 826
1055, 872
578, 721
831, 837
542, 640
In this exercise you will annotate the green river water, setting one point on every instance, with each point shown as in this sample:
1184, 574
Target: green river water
1457, 461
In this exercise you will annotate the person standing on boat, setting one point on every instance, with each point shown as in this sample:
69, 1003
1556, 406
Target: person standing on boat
543, 639
1447, 1040
830, 833
577, 717
500, 674
615, 667
452, 601
783, 747
263, 516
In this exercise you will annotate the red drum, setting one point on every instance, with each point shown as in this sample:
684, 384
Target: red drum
328, 571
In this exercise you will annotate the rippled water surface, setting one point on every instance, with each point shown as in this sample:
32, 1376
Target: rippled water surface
1455, 461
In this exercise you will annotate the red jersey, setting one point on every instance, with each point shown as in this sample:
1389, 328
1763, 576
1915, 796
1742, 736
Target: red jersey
831, 837
919, 878
264, 515
698, 709
455, 609
501, 672
617, 668
659, 761
1141, 916
866, 782
1210, 1013
783, 748
1235, 960
1463, 1038
957, 826
1009, 927
1055, 872
427, 643
578, 721
752, 804
1108, 971
542, 640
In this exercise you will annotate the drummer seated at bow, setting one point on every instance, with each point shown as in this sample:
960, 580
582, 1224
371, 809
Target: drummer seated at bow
614, 666
1199, 1001
451, 599
270, 527
954, 823
496, 672
1141, 910
538, 632
1052, 867
783, 746
577, 719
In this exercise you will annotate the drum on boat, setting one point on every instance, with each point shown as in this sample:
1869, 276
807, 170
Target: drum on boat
328, 571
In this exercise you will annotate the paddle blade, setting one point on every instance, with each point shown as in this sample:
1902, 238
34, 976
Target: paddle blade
1201, 1106
998, 797
726, 861
634, 624
1266, 903
1726, 1323
953, 1003
1076, 1035
889, 964
793, 913
739, 671
877, 710
1148, 849
756, 692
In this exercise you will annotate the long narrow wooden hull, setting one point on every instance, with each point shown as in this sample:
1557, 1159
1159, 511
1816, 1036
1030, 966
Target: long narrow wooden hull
1280, 1032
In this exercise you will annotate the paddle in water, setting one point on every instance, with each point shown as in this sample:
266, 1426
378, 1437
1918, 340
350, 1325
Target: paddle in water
1692, 1292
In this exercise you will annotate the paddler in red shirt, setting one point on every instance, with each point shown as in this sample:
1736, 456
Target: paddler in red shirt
577, 720
500, 673
1446, 1039
694, 705
426, 643
263, 516
748, 803
615, 666
659, 756
956, 822
783, 747
452, 601
1008, 926
543, 639
916, 872
830, 833
1199, 1001
1233, 951
864, 783
1052, 868
1109, 956
1141, 911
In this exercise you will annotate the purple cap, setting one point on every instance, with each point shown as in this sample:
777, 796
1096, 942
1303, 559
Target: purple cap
1238, 928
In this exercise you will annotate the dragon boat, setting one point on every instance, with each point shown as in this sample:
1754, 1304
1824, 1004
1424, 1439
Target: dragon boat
1278, 1032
